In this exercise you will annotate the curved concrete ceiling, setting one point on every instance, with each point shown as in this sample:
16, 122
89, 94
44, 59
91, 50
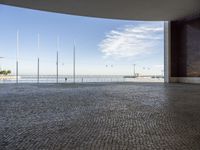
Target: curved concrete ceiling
116, 9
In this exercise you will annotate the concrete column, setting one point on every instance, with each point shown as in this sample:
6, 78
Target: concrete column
167, 51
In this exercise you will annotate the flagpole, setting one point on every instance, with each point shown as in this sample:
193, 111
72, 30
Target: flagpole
38, 62
58, 48
17, 53
74, 63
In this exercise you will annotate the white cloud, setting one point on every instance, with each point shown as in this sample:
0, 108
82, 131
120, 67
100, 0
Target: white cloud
131, 41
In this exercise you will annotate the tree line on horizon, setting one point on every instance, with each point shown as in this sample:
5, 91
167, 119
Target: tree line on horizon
5, 72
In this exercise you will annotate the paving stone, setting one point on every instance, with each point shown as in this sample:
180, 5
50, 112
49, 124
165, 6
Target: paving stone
100, 116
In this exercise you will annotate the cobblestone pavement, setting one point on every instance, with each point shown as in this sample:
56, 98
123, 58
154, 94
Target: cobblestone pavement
140, 116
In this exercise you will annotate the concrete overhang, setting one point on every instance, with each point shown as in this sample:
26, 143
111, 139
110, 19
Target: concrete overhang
156, 10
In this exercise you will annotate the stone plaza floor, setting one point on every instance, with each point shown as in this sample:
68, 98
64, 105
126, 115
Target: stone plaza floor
100, 116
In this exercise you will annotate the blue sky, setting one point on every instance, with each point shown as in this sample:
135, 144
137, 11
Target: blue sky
103, 46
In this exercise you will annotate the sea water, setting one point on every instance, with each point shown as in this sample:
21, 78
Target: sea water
78, 79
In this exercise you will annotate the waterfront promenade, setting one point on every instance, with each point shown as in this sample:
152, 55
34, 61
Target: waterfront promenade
7, 77
100, 116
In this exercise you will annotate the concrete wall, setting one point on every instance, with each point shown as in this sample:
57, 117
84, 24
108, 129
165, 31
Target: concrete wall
167, 51
185, 51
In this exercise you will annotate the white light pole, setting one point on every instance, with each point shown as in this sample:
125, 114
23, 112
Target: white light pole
58, 49
17, 55
74, 63
134, 69
38, 62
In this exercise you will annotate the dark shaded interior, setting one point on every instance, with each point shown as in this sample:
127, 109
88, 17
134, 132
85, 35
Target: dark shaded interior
185, 48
